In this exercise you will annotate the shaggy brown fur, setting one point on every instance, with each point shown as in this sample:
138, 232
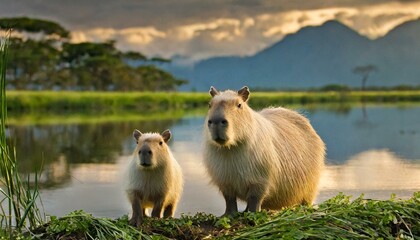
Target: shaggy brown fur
270, 159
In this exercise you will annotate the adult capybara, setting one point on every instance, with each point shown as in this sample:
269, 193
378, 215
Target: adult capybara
154, 177
270, 159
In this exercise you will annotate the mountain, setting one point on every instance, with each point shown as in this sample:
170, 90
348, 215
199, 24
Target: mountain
314, 57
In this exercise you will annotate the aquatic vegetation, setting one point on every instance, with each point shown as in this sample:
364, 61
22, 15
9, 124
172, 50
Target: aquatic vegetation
341, 218
337, 218
18, 199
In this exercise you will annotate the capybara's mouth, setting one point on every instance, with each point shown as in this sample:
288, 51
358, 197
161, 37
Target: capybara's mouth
220, 141
146, 164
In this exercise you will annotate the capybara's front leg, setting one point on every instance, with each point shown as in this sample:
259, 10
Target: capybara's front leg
157, 209
231, 204
137, 217
169, 211
254, 198
253, 204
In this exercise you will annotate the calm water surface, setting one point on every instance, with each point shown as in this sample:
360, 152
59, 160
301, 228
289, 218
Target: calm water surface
373, 150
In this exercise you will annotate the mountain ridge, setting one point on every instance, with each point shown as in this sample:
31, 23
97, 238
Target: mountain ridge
315, 56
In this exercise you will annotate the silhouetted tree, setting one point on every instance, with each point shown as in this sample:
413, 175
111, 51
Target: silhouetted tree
136, 56
31, 63
365, 71
54, 63
160, 60
30, 25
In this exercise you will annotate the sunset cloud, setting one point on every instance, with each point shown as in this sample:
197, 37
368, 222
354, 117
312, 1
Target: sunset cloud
202, 29
141, 36
376, 21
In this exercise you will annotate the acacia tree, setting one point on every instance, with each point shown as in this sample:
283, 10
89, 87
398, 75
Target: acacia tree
31, 63
30, 25
365, 71
53, 62
110, 71
154, 79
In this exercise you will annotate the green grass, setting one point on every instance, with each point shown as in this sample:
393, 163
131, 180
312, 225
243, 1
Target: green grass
340, 218
92, 117
148, 101
330, 97
336, 218
47, 100
18, 200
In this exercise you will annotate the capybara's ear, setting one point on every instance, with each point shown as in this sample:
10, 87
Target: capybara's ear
244, 93
166, 135
213, 91
137, 134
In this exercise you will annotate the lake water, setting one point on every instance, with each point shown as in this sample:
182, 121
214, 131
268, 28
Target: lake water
373, 150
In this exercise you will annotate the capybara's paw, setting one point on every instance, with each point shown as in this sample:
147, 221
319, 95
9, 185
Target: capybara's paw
134, 222
230, 214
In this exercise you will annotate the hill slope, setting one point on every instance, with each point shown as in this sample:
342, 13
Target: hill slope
313, 57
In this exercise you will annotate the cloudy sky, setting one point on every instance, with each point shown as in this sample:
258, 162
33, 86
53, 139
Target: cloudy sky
199, 29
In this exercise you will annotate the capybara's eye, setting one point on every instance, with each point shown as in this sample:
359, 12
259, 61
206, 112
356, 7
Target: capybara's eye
239, 105
209, 105
160, 143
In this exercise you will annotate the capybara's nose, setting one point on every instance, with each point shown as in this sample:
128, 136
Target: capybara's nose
217, 121
145, 151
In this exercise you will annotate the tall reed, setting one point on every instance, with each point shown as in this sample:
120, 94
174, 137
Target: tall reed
18, 199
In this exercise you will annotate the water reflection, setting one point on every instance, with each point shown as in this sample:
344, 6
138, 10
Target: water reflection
83, 163
95, 188
56, 173
397, 129
376, 173
373, 169
76, 143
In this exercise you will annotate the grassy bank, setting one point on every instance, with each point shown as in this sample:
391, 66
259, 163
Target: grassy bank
88, 117
85, 116
97, 101
58, 101
336, 218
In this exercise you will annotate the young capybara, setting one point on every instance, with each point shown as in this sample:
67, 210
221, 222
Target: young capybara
270, 159
154, 177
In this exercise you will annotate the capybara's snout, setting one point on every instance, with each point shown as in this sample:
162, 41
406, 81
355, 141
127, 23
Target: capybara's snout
218, 127
145, 156
217, 122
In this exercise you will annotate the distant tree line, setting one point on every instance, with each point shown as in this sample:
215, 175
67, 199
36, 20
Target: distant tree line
43, 58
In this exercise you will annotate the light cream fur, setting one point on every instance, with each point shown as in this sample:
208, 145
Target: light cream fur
159, 185
274, 154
